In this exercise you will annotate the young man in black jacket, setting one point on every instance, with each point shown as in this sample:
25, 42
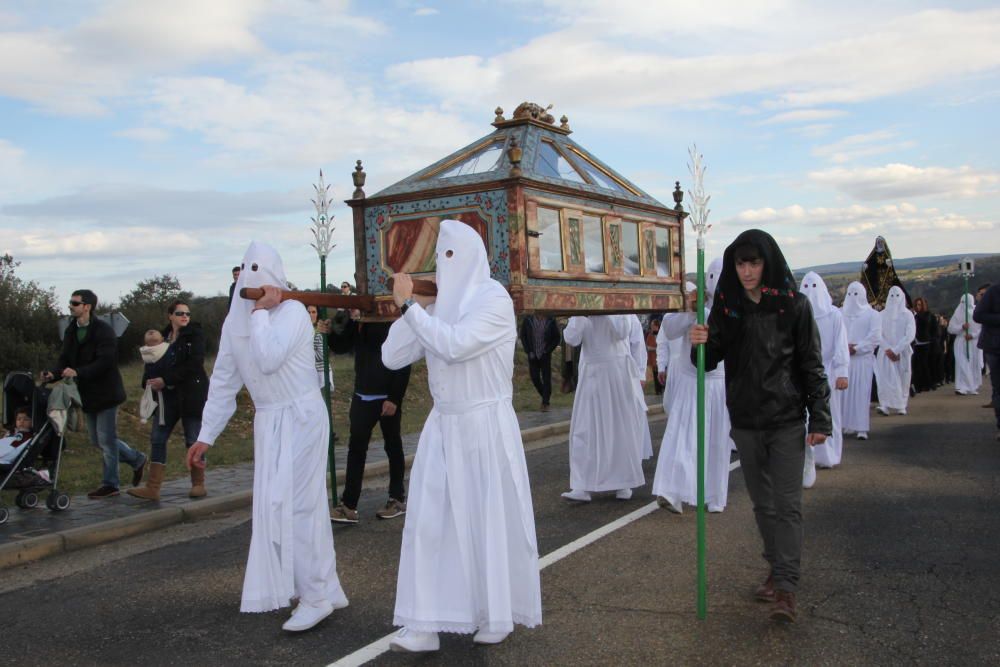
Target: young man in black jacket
89, 354
764, 332
377, 399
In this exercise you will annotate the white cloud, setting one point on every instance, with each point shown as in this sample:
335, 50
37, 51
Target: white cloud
902, 180
847, 68
133, 242
862, 145
144, 134
804, 116
425, 11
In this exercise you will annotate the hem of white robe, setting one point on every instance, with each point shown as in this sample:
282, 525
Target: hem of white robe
262, 605
467, 628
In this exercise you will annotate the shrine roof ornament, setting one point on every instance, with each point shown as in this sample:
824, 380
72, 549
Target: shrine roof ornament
530, 145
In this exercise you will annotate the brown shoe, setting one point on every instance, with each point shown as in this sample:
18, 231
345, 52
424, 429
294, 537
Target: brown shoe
197, 483
544, 408
784, 607
343, 514
765, 592
138, 472
103, 491
152, 489
392, 509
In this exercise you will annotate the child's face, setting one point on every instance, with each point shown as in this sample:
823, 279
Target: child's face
22, 422
153, 338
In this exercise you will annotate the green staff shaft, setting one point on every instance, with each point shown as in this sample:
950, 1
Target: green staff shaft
702, 594
968, 353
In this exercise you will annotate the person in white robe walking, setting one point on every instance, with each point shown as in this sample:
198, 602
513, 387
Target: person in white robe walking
469, 558
892, 365
676, 480
667, 351
864, 332
836, 364
638, 356
609, 411
268, 347
968, 356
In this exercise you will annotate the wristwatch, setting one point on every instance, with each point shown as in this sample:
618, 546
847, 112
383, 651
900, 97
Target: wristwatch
406, 305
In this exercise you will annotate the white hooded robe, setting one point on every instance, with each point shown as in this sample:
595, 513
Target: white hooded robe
899, 328
469, 559
271, 353
609, 412
968, 357
864, 332
677, 465
639, 356
836, 362
667, 352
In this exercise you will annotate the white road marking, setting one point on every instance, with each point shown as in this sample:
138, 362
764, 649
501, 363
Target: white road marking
380, 646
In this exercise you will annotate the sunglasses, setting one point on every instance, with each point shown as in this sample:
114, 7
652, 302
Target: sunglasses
182, 313
76, 303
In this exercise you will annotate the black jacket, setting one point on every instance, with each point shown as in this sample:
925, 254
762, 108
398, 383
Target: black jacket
771, 350
183, 369
987, 313
527, 336
371, 377
95, 363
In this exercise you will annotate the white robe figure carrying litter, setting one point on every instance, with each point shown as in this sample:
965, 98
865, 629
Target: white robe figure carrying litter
836, 364
676, 479
609, 412
899, 328
668, 351
864, 332
639, 356
968, 356
270, 351
469, 559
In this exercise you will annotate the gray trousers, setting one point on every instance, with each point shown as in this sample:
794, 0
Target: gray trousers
772, 461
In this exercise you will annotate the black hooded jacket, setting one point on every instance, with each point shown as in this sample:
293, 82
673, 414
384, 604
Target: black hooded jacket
95, 361
771, 350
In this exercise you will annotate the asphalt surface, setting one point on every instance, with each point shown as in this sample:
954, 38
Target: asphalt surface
900, 567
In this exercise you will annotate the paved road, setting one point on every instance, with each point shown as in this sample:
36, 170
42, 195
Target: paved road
900, 567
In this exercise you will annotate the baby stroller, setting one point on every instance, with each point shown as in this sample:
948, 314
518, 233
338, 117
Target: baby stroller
46, 445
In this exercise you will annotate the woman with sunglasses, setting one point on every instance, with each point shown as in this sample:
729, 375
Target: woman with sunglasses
185, 389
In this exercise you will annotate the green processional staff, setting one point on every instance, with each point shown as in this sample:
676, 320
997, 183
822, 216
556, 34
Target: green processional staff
699, 220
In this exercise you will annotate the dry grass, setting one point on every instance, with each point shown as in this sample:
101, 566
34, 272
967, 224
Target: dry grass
81, 467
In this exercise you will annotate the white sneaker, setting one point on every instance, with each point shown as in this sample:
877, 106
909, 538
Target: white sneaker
862, 435
883, 411
307, 616
411, 641
623, 494
715, 509
809, 469
483, 637
669, 504
577, 496
903, 412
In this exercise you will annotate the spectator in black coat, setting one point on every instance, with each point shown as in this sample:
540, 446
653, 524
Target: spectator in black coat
89, 355
232, 288
987, 313
377, 399
184, 384
539, 337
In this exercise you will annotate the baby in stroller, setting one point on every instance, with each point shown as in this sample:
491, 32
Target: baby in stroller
11, 447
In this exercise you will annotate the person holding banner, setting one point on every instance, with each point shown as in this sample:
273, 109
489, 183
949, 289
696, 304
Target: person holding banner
763, 331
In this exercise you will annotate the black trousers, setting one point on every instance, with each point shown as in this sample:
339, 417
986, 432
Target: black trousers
921, 367
541, 376
772, 462
364, 416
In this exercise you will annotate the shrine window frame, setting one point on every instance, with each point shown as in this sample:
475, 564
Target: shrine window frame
501, 142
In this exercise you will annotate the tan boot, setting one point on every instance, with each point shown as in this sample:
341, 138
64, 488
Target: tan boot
197, 483
153, 483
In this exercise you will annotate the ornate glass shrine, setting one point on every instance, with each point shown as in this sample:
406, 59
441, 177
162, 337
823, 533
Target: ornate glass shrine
564, 232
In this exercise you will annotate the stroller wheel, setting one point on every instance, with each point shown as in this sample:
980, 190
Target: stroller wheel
57, 502
4, 515
27, 499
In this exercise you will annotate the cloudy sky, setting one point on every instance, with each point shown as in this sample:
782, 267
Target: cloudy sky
140, 137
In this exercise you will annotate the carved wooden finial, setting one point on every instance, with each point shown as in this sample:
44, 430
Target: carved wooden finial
514, 154
564, 123
499, 115
359, 177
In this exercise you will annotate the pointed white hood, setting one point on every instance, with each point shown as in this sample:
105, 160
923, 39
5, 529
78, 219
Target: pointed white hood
960, 309
261, 266
856, 300
814, 288
712, 280
463, 271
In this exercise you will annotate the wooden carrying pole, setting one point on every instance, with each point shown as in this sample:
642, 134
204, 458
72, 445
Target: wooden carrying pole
364, 303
